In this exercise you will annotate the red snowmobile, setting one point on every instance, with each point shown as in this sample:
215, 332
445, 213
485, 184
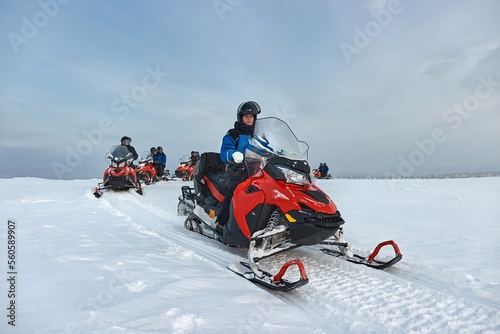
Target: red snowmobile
278, 207
146, 171
120, 175
317, 174
185, 171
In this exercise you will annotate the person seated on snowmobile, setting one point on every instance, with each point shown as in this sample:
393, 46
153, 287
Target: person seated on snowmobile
125, 141
195, 155
159, 162
152, 151
234, 144
324, 171
321, 169
236, 139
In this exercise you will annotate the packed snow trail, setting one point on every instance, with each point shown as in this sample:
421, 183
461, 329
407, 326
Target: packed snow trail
338, 292
124, 263
160, 223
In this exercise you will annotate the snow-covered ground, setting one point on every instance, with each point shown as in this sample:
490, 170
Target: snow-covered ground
125, 264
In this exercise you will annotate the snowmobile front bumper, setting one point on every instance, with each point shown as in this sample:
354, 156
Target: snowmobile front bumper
310, 228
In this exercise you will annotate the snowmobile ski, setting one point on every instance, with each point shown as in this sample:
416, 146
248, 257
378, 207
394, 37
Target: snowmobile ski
244, 269
370, 260
268, 280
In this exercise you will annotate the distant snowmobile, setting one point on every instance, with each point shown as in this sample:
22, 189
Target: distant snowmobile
277, 208
185, 170
120, 175
317, 174
146, 171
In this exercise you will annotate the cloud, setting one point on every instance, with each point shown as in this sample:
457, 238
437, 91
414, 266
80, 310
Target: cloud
361, 115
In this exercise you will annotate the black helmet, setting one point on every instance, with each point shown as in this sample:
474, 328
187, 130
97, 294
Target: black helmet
247, 108
124, 138
159, 149
152, 149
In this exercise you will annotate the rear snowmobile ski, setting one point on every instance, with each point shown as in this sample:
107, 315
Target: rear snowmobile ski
276, 208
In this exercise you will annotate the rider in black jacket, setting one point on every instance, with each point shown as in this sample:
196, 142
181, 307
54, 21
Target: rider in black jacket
125, 141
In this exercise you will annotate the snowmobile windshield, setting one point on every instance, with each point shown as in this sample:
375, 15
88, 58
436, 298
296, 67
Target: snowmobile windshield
273, 137
185, 159
273, 141
145, 156
119, 156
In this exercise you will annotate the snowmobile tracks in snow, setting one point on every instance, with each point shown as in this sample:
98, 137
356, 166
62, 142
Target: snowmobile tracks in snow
339, 292
346, 293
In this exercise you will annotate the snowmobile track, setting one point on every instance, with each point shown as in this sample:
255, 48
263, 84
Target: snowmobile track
338, 292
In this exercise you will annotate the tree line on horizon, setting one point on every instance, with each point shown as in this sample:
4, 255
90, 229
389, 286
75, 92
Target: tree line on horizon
457, 175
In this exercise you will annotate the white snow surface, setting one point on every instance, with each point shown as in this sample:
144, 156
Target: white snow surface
124, 263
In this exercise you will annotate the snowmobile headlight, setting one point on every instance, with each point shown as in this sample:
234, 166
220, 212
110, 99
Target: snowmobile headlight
122, 164
293, 176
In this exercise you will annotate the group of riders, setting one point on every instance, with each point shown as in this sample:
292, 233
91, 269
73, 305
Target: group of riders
233, 146
234, 198
159, 161
158, 158
322, 171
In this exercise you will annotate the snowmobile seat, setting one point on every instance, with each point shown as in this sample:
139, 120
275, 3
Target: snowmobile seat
211, 167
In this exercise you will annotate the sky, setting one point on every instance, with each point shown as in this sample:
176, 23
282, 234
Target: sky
124, 263
399, 88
